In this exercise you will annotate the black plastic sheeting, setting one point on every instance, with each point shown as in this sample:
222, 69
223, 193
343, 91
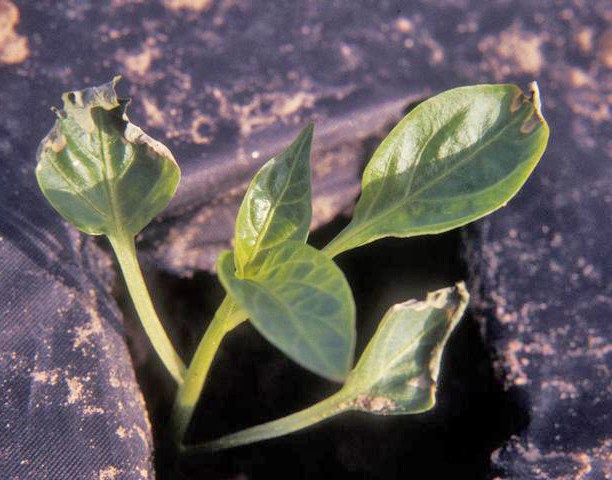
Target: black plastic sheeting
225, 84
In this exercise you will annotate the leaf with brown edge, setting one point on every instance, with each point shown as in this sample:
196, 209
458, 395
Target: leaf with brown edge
453, 159
99, 171
398, 371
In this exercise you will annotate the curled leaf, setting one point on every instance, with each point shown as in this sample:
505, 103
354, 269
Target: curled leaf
398, 370
99, 171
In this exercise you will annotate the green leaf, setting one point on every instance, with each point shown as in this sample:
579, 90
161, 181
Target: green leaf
99, 171
300, 301
277, 205
398, 370
106, 176
453, 159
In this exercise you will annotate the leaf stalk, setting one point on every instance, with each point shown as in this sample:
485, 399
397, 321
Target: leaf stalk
332, 405
125, 251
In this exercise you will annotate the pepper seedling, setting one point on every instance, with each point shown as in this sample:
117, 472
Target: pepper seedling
453, 159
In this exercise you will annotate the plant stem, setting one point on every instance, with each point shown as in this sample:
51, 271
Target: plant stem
338, 245
125, 250
336, 403
227, 317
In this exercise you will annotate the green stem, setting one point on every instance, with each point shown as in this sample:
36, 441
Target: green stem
337, 403
126, 254
340, 243
227, 317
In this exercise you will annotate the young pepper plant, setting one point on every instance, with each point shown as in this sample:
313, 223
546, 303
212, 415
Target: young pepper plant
453, 159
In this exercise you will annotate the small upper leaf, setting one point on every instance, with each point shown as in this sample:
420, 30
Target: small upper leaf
277, 205
99, 171
397, 371
300, 301
455, 158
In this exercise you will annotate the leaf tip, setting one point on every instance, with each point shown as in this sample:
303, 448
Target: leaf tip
535, 97
307, 133
79, 103
464, 295
537, 119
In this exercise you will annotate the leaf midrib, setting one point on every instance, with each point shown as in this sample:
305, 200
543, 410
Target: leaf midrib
429, 326
272, 209
413, 170
109, 185
268, 272
289, 314
365, 225
323, 291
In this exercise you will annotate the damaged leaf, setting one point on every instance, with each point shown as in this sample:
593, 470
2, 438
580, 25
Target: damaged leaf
99, 171
453, 159
107, 177
398, 370
300, 301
